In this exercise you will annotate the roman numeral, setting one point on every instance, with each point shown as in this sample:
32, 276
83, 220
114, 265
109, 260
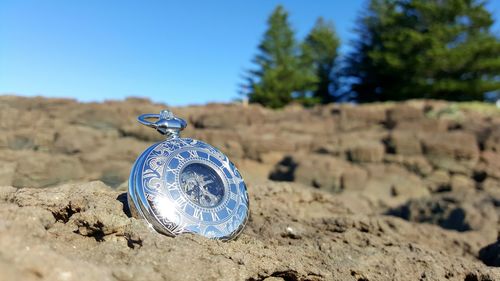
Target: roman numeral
215, 216
170, 170
233, 196
197, 214
181, 202
170, 186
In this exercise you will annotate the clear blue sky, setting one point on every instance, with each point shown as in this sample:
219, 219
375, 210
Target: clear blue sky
176, 52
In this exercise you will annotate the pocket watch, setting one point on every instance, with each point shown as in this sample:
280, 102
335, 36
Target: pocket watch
182, 185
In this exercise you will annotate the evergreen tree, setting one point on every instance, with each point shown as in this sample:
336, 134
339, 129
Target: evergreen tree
440, 49
278, 75
319, 51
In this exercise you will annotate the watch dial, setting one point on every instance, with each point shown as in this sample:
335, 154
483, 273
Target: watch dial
202, 185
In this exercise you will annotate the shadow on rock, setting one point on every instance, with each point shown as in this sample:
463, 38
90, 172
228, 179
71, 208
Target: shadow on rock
450, 211
284, 170
123, 199
490, 254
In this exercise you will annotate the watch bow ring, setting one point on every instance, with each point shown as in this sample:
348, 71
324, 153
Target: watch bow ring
182, 185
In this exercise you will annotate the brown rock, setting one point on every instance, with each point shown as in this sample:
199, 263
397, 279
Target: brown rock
321, 171
423, 125
229, 142
490, 254
43, 169
490, 184
403, 113
458, 211
272, 157
368, 152
492, 142
404, 143
438, 181
7, 172
416, 164
228, 116
357, 117
455, 151
392, 185
461, 183
80, 232
490, 164
340, 145
257, 145
75, 139
354, 178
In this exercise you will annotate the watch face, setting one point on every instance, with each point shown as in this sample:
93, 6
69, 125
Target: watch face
187, 186
201, 185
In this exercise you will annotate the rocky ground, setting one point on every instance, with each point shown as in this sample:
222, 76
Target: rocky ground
403, 191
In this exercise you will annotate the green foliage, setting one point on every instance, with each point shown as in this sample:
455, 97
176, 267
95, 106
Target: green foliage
440, 49
290, 71
319, 52
277, 76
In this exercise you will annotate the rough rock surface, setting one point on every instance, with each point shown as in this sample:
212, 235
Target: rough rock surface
387, 191
82, 232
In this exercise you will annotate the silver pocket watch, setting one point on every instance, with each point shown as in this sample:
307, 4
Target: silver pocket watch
182, 185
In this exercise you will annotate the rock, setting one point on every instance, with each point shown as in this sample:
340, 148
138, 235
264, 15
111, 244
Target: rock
490, 184
404, 143
416, 164
492, 142
284, 170
371, 158
403, 113
257, 145
490, 164
7, 172
229, 142
392, 185
330, 147
358, 117
490, 254
272, 157
461, 183
321, 171
461, 212
233, 116
99, 119
354, 179
426, 125
113, 173
438, 181
253, 171
455, 151
231, 148
367, 152
340, 145
43, 169
81, 232
75, 139
98, 135
20, 140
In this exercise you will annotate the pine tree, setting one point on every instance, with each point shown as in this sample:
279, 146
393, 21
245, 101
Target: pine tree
278, 75
320, 51
441, 49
